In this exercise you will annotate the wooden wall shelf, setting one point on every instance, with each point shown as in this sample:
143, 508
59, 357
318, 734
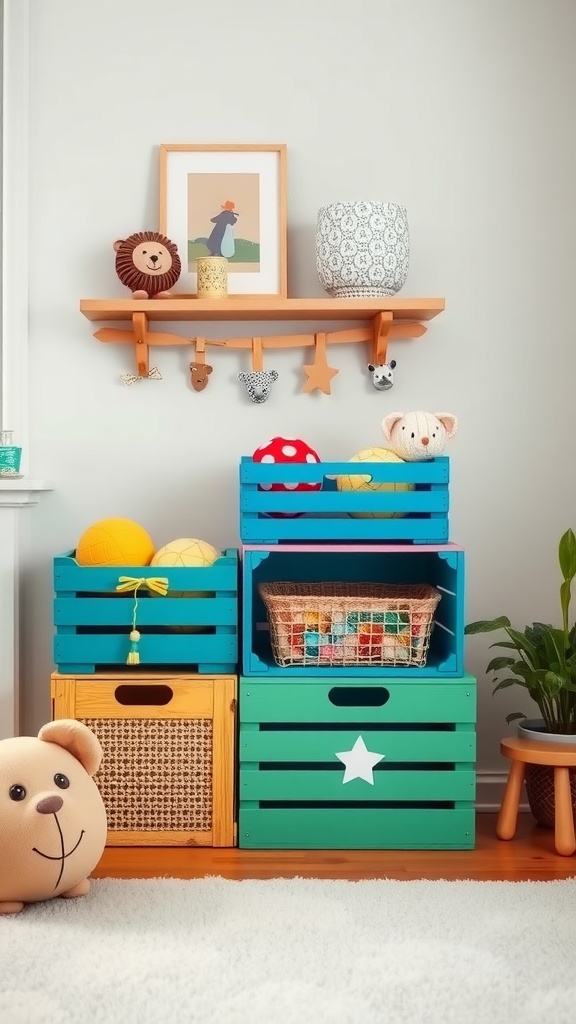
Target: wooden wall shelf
187, 307
384, 319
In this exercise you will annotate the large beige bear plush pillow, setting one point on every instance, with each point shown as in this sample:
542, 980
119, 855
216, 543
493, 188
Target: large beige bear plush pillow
52, 819
415, 436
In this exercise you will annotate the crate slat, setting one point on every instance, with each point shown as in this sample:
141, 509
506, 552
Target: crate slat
430, 471
357, 829
401, 746
312, 700
331, 501
327, 785
160, 611
276, 531
154, 650
69, 576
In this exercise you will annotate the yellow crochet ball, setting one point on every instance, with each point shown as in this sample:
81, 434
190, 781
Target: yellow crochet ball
115, 542
185, 552
363, 483
190, 553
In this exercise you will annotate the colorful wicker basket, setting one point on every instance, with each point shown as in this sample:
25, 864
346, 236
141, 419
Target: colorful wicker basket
323, 624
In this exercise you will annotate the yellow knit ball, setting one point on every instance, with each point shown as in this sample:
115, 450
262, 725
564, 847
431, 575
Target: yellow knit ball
359, 483
185, 552
115, 542
190, 553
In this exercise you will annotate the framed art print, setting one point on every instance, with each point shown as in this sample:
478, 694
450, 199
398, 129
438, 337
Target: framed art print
227, 200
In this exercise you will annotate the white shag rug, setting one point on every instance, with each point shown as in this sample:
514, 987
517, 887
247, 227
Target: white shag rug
294, 951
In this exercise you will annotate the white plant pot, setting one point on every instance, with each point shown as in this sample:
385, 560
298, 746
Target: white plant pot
362, 249
535, 729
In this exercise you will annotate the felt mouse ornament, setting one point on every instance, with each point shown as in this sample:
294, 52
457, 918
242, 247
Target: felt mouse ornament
416, 436
52, 818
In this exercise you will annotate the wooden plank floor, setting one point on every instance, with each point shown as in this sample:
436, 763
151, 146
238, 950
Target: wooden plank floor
530, 856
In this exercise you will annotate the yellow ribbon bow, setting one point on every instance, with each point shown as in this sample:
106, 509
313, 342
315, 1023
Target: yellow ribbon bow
159, 584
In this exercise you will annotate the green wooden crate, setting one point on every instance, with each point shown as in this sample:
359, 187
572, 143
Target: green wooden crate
416, 791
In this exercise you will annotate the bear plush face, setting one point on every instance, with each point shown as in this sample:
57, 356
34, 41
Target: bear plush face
416, 436
52, 817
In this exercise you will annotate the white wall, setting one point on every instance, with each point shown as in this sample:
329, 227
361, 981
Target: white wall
461, 111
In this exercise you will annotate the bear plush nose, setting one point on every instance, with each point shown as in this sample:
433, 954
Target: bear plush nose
425, 440
154, 259
49, 805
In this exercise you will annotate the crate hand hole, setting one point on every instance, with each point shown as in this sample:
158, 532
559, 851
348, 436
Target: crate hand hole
359, 696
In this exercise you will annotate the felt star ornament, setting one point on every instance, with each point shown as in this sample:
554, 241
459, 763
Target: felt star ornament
359, 762
319, 374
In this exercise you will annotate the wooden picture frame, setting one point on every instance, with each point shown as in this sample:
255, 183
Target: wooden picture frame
227, 200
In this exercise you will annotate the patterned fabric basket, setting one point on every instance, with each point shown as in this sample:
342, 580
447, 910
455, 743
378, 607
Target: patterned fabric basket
368, 624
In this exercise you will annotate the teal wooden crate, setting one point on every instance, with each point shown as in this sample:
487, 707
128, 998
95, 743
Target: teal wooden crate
439, 566
419, 515
195, 626
420, 786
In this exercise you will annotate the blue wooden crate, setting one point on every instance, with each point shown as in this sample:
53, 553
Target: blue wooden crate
324, 515
440, 566
419, 795
197, 631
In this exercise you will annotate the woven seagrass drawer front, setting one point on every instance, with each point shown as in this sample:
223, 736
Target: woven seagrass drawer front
357, 765
167, 773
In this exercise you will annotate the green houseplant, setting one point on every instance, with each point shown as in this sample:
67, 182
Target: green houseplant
544, 659
541, 660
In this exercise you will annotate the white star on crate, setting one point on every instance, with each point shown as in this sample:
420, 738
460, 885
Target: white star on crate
359, 762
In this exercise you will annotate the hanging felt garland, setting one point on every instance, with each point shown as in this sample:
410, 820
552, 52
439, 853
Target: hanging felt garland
158, 584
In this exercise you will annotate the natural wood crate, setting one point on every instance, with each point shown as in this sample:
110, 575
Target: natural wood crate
167, 775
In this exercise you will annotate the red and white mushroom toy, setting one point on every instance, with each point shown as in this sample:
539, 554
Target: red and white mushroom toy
289, 450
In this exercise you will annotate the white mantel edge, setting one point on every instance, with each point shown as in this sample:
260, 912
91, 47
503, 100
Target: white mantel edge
22, 492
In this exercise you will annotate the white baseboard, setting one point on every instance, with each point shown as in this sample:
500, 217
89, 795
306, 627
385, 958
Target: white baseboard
490, 790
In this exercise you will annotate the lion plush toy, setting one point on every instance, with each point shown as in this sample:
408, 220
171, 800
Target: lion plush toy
52, 818
148, 263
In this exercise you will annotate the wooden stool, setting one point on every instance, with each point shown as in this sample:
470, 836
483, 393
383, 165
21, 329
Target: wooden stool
554, 755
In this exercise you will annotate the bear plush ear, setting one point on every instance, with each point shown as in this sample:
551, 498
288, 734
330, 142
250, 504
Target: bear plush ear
77, 738
389, 422
448, 421
273, 374
118, 243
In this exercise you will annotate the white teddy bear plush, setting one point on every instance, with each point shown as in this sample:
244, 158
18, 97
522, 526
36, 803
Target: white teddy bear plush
415, 436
